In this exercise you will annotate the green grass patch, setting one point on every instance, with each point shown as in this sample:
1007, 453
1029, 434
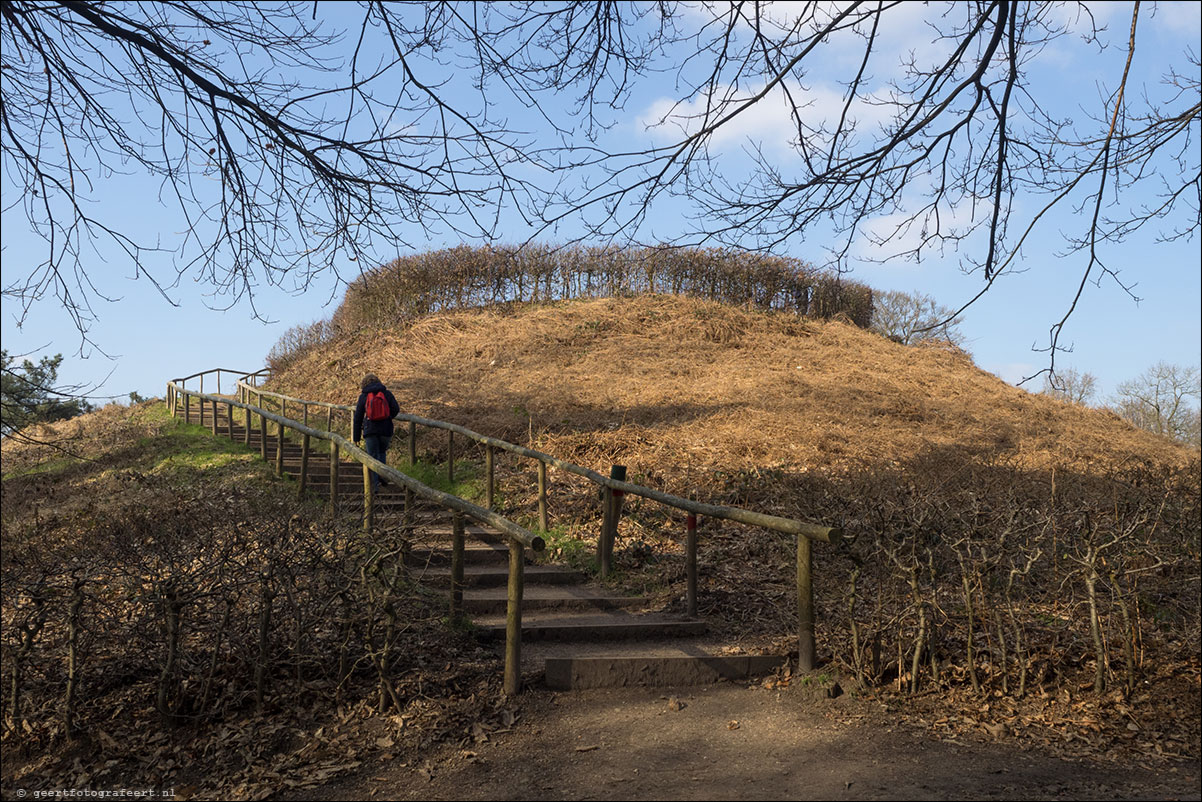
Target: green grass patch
563, 547
468, 484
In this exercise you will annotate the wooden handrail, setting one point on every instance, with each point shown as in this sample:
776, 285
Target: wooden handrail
240, 373
826, 534
613, 490
519, 537
526, 537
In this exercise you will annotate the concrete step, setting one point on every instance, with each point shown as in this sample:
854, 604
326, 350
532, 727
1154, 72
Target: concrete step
590, 627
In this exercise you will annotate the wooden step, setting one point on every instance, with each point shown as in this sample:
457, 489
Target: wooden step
567, 597
494, 576
591, 627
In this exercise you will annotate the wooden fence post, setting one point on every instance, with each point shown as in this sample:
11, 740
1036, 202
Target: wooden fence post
542, 496
263, 434
412, 443
187, 408
279, 450
246, 431
488, 470
611, 511
304, 466
450, 456
456, 566
214, 417
369, 513
229, 420
607, 510
805, 604
513, 619
333, 477
690, 549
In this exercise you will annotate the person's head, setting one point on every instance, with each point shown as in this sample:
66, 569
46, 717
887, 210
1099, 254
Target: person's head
369, 380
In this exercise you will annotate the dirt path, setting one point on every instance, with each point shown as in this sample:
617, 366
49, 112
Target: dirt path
731, 741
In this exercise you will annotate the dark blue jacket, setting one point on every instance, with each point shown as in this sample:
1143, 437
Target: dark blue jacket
376, 428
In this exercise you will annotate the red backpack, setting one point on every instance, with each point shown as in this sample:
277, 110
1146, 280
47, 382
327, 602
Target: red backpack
377, 407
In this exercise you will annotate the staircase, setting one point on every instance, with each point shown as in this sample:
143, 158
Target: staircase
575, 633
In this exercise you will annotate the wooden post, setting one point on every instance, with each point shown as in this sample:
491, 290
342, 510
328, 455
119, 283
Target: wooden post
329, 419
305, 408
229, 420
369, 512
202, 384
450, 457
214, 417
456, 566
263, 436
513, 620
611, 512
246, 432
690, 550
604, 552
187, 408
283, 407
805, 605
218, 392
488, 469
412, 443
304, 466
279, 449
616, 472
333, 477
542, 496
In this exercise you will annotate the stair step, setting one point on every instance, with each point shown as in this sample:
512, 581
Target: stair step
571, 597
592, 627
621, 671
489, 576
473, 553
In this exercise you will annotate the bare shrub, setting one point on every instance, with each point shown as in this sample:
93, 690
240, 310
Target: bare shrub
463, 277
298, 341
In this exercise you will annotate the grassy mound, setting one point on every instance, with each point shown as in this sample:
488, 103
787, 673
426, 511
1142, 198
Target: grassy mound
999, 542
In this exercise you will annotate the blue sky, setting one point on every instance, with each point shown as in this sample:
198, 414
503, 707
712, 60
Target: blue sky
150, 339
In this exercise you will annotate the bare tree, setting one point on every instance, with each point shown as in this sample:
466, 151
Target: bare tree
291, 150
265, 132
911, 317
1163, 399
1071, 385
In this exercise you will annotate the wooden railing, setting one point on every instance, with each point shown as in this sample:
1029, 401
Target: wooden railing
613, 489
519, 537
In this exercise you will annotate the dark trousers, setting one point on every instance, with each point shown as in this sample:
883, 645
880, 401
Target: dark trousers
376, 446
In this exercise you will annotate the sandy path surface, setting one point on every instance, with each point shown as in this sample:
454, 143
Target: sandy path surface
731, 741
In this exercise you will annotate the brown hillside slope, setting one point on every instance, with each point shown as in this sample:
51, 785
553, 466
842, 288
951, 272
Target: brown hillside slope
665, 382
998, 542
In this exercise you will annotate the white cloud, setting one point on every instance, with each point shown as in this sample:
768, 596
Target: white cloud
1182, 19
768, 123
894, 236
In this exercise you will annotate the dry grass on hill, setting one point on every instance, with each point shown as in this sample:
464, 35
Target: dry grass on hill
665, 383
999, 543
